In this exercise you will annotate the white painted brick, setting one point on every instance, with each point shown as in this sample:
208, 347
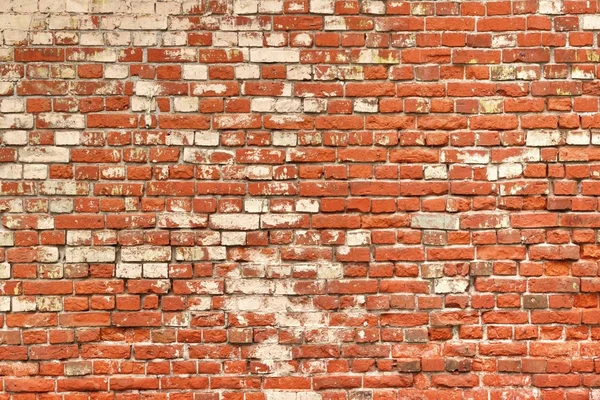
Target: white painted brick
245, 6
51, 6
256, 205
322, 6
91, 39
330, 270
366, 105
142, 22
174, 38
577, 73
299, 72
233, 238
61, 206
180, 138
302, 40
79, 238
250, 39
280, 395
206, 138
249, 286
358, 238
264, 104
168, 8
16, 121
247, 72
143, 104
270, 6
181, 220
509, 170
550, 7
43, 222
234, 222
12, 105
116, 71
195, 72
63, 121
259, 172
186, 104
128, 271
5, 87
109, 7
257, 304
543, 138
435, 221
101, 55
4, 270
145, 253
7, 239
309, 319
315, 105
143, 7
591, 22
14, 37
156, 270
90, 254
211, 253
23, 304
218, 88
373, 7
275, 55
308, 396
451, 285
280, 220
118, 38
335, 23
16, 21
288, 139
24, 6
225, 39
432, 270
288, 105
14, 137
251, 23
270, 352
16, 206
307, 206
528, 155
5, 303
504, 40
147, 89
68, 188
276, 39
199, 303
435, 172
44, 154
41, 38
581, 138
11, 171
67, 138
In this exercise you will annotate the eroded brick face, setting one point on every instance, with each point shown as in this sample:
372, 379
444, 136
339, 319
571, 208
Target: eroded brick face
299, 200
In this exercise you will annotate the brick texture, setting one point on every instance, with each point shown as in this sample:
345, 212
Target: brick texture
299, 200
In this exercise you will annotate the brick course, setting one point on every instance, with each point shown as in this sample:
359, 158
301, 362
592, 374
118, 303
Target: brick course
299, 199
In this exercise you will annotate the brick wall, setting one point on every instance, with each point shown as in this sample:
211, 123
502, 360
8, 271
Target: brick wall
299, 200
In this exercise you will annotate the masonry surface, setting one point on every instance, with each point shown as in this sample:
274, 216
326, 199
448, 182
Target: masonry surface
299, 200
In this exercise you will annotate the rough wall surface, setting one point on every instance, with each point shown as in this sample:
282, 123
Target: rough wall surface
299, 200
